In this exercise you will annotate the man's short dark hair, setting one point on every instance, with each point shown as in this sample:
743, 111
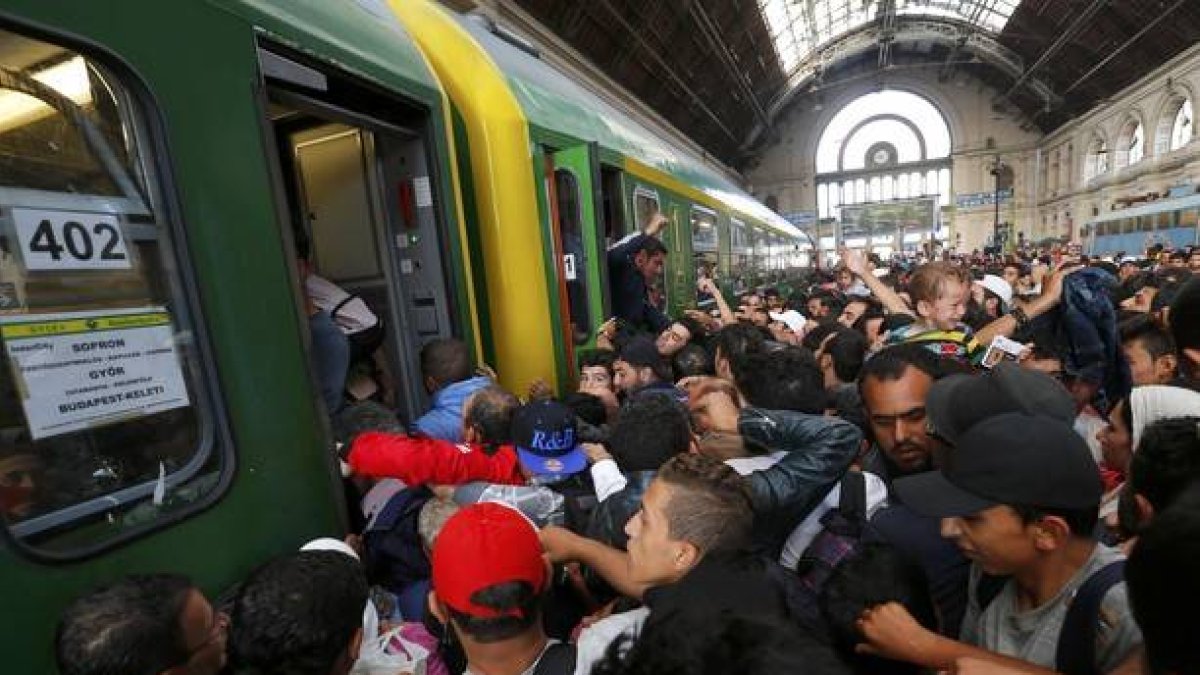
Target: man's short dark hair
598, 358
1167, 461
587, 407
824, 328
786, 379
650, 431
829, 300
718, 643
490, 412
446, 361
1185, 316
736, 340
640, 352
520, 600
691, 360
651, 246
710, 503
693, 326
889, 364
296, 615
133, 626
848, 349
874, 575
1154, 339
1161, 579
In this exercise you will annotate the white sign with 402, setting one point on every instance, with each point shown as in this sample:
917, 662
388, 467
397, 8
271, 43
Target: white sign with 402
70, 240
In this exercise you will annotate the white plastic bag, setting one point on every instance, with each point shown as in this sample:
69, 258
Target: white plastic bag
390, 654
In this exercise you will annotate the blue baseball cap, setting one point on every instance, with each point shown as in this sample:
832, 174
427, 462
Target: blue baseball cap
545, 437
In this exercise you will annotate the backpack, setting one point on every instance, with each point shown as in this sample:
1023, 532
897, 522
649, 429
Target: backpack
1076, 650
840, 536
559, 659
392, 550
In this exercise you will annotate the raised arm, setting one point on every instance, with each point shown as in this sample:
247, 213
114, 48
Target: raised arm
857, 262
1006, 325
418, 461
819, 451
709, 286
612, 564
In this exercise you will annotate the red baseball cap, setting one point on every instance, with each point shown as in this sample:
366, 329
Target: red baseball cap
481, 546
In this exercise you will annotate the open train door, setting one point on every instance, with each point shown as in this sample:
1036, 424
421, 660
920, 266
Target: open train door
573, 181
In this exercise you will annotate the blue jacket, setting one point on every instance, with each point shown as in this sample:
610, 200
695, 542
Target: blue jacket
444, 419
629, 298
1087, 323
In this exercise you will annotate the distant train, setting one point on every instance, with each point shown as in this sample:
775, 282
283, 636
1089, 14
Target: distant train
159, 164
1170, 222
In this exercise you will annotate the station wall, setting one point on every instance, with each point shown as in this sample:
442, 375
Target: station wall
1051, 197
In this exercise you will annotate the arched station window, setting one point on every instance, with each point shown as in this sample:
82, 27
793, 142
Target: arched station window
1175, 126
1131, 143
885, 148
1096, 162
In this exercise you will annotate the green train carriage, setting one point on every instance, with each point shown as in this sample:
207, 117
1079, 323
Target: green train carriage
157, 410
553, 175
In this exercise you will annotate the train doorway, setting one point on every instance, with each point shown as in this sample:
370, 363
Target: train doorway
577, 218
354, 167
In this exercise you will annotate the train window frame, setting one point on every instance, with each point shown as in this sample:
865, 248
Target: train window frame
582, 313
709, 257
150, 167
643, 192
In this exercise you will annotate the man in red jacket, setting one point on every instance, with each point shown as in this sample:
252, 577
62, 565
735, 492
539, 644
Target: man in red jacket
504, 444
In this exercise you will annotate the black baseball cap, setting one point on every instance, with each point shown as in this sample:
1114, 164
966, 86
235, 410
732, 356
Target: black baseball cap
958, 402
641, 352
545, 437
1014, 459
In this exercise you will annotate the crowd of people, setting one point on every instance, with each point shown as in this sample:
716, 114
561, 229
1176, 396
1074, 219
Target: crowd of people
976, 465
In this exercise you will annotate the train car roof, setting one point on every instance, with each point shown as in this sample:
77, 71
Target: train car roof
553, 101
1150, 208
364, 35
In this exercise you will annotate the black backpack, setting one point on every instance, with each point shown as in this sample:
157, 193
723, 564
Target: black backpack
559, 659
1076, 650
392, 550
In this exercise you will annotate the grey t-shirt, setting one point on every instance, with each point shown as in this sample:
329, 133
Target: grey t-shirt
1032, 635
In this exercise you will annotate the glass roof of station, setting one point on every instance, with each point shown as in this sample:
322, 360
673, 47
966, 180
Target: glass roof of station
800, 27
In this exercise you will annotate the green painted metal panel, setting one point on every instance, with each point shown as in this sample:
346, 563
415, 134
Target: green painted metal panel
198, 61
562, 368
582, 162
361, 36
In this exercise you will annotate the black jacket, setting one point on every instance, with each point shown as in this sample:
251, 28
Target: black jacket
629, 298
819, 451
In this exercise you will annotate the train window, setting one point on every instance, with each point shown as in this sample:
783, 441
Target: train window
739, 253
104, 427
1165, 220
575, 268
705, 241
1146, 224
1189, 218
645, 205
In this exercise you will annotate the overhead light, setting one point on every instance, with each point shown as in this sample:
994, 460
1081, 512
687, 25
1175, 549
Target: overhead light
69, 79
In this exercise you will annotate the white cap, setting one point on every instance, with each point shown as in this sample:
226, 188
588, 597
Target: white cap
794, 320
998, 286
